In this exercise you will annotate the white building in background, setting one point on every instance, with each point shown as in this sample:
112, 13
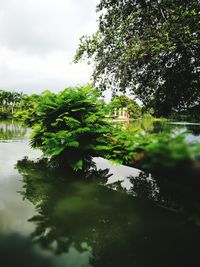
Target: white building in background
121, 113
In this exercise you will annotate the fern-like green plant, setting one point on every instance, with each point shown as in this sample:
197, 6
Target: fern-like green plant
69, 127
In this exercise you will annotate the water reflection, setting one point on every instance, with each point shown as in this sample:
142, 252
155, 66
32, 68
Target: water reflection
13, 211
158, 126
180, 197
78, 212
166, 126
16, 250
11, 131
144, 187
92, 219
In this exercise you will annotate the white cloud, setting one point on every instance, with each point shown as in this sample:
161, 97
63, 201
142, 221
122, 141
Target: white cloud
32, 73
38, 39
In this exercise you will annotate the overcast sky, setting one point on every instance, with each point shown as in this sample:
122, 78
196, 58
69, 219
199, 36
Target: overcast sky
38, 39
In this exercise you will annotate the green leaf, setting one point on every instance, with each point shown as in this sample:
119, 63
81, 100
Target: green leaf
78, 165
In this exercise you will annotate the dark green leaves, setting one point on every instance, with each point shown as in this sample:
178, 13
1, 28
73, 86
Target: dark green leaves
149, 47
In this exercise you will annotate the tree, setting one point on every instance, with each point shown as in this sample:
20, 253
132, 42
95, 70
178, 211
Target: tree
10, 100
27, 103
133, 109
122, 101
69, 127
16, 99
150, 47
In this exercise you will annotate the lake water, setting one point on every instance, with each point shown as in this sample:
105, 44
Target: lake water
112, 216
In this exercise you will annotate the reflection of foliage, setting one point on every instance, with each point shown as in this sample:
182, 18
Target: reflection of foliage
180, 191
68, 127
147, 124
16, 250
10, 130
114, 227
144, 187
163, 126
168, 193
75, 211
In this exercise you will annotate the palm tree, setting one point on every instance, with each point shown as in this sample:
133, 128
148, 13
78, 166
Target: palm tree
9, 100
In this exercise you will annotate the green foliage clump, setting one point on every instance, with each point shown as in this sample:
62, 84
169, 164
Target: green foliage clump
152, 152
169, 150
68, 127
26, 110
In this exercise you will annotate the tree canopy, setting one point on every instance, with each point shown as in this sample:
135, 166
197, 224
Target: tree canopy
9, 101
122, 101
69, 127
150, 47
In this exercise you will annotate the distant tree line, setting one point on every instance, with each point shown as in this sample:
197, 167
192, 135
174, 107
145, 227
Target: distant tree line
9, 102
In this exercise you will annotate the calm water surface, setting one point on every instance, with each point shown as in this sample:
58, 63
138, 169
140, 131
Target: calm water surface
114, 217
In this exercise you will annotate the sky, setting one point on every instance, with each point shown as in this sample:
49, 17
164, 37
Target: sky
38, 39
